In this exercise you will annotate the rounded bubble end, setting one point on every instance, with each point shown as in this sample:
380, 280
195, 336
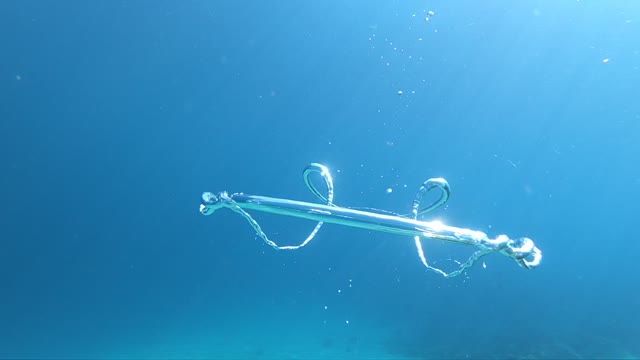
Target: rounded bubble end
210, 198
204, 210
210, 203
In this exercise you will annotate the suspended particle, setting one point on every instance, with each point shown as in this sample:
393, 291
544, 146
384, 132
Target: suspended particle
430, 13
400, 92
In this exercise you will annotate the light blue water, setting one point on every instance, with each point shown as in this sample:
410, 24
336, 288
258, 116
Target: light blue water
116, 116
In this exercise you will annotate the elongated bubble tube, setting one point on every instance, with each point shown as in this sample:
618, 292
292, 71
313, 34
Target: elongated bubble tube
522, 250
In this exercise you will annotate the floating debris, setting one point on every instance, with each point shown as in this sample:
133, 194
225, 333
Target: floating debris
430, 13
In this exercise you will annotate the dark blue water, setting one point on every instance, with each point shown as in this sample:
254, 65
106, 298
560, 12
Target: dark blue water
116, 115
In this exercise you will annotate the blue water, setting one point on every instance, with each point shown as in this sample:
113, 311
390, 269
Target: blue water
116, 115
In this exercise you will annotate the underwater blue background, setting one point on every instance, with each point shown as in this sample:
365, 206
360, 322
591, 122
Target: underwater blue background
116, 115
